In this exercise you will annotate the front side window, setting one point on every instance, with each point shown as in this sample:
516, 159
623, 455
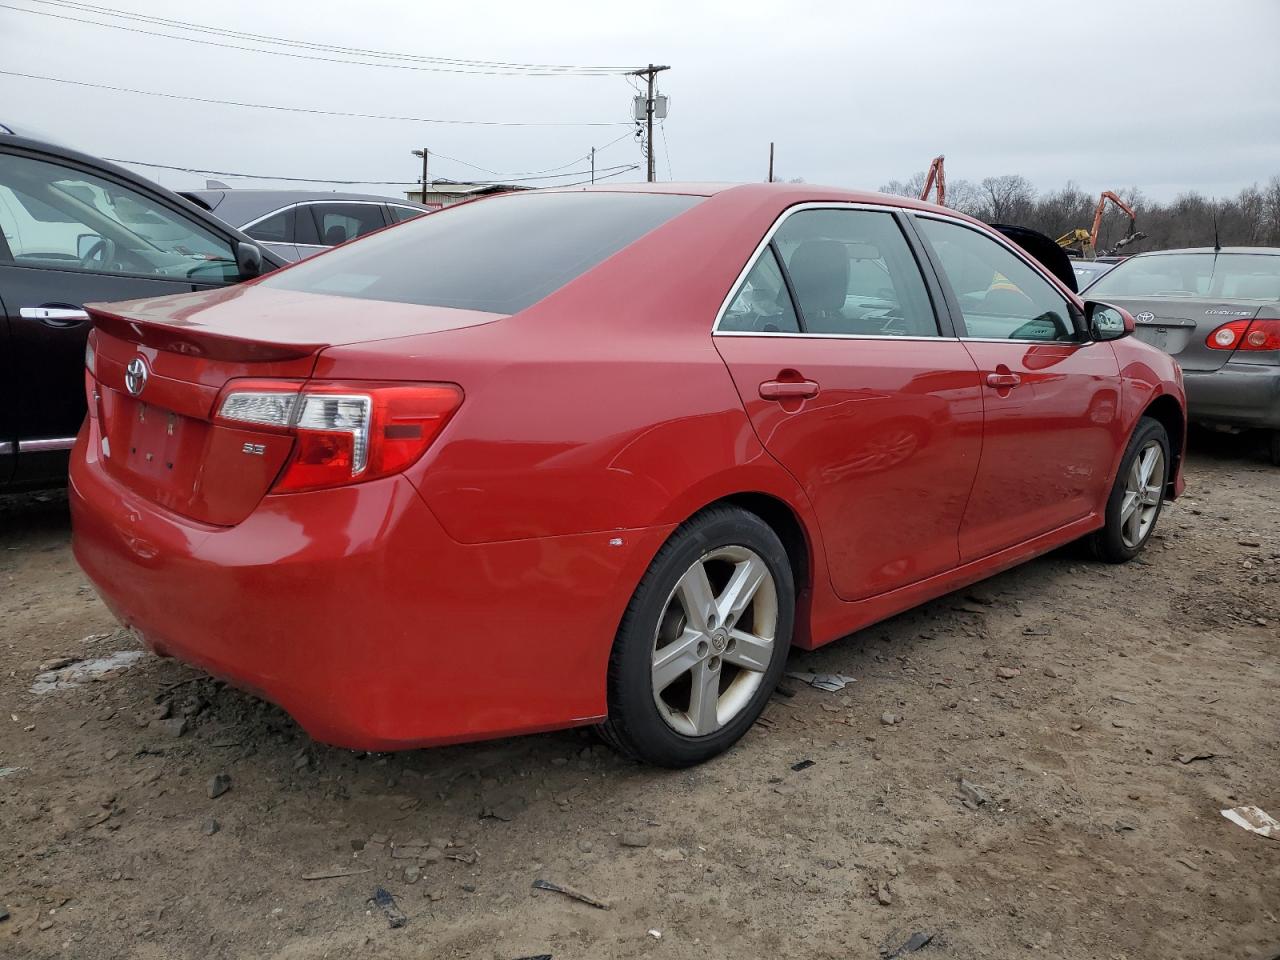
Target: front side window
1000, 296
497, 255
340, 222
762, 303
853, 273
63, 218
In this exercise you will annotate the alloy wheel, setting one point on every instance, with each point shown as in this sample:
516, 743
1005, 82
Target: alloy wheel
1143, 491
715, 640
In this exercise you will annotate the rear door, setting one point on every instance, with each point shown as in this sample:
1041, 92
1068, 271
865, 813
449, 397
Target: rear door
851, 384
76, 235
1051, 397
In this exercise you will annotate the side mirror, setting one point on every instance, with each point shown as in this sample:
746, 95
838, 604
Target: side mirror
1107, 322
248, 260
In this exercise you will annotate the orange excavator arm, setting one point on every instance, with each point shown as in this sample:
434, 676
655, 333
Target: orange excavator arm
1102, 206
937, 177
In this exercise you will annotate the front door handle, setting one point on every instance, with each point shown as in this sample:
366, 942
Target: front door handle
55, 316
1003, 381
788, 389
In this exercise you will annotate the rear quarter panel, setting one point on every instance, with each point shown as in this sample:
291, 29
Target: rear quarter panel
1147, 374
605, 406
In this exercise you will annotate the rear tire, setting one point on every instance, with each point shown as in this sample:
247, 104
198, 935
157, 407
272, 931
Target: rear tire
703, 642
1273, 445
1137, 495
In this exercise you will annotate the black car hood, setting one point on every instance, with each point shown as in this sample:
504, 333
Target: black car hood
1051, 256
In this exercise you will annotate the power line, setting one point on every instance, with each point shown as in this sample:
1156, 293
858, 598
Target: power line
577, 159
319, 112
100, 10
304, 56
619, 168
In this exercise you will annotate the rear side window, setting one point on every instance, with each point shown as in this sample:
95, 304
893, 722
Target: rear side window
854, 274
498, 255
762, 304
401, 214
277, 228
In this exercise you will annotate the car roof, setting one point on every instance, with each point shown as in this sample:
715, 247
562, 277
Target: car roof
797, 192
239, 207
1266, 251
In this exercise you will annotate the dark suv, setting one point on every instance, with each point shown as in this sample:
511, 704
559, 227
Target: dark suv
76, 230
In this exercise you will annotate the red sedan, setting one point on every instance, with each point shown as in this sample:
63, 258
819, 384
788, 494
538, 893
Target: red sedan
602, 457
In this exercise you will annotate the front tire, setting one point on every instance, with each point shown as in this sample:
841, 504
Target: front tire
1273, 447
1137, 495
703, 642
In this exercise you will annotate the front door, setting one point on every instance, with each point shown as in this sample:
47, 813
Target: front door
1051, 396
836, 351
8, 420
74, 237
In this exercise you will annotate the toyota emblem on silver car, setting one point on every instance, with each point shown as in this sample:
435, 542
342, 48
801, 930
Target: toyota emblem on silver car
1145, 317
135, 375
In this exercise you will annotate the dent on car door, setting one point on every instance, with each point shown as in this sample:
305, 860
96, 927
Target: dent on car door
77, 236
852, 388
1051, 396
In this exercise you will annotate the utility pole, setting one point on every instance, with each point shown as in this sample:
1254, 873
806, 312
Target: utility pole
771, 161
649, 73
425, 154
593, 164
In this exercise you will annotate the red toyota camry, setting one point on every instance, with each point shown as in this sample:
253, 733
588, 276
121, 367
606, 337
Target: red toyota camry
602, 456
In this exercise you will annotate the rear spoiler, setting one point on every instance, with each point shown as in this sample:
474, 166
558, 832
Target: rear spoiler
174, 337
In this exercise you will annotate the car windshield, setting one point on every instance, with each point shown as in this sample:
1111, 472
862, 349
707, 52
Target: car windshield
1230, 276
498, 255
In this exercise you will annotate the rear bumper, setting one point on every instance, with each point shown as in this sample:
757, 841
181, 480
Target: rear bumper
1243, 394
354, 611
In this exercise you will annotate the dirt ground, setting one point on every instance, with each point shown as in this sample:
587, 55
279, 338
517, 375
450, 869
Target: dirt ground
1095, 840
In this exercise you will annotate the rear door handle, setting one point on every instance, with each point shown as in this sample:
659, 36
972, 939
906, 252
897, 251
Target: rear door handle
1003, 380
788, 389
55, 316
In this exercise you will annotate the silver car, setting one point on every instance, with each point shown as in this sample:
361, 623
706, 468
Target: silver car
1218, 313
297, 224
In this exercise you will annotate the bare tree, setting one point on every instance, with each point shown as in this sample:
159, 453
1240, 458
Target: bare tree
1009, 198
1252, 218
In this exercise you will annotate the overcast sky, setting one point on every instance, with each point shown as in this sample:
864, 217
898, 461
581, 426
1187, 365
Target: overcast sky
1159, 94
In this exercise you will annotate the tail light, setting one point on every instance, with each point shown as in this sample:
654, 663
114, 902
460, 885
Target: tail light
343, 432
1246, 335
90, 378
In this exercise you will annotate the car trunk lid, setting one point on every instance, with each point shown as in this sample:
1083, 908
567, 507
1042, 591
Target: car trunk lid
157, 419
1180, 326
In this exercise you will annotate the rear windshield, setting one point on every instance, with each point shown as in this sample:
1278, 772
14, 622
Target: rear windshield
1231, 276
498, 255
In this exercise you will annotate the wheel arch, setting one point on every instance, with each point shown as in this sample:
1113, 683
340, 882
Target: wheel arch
786, 523
1166, 411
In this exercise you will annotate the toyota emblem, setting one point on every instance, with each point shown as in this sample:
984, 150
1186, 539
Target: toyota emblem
1145, 317
135, 376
